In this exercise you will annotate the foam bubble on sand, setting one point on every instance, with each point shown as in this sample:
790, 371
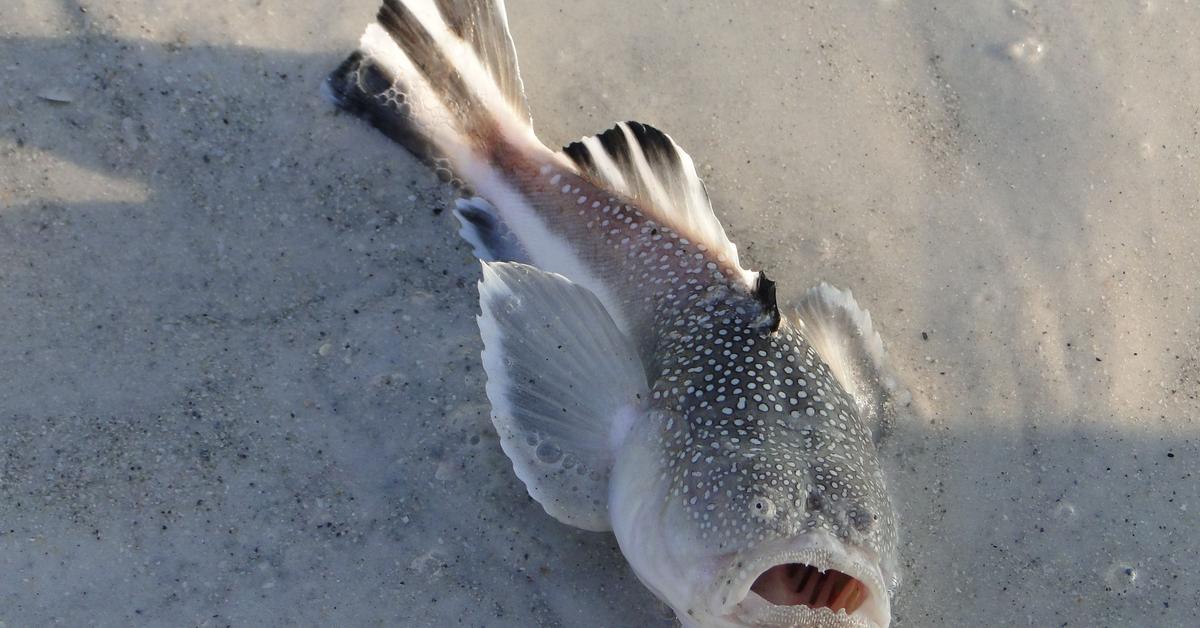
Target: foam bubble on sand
1030, 50
1065, 512
1121, 578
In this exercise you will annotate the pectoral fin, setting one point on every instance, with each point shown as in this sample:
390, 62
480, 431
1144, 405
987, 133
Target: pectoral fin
842, 333
565, 384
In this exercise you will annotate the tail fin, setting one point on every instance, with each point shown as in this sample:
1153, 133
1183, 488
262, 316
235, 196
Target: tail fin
438, 76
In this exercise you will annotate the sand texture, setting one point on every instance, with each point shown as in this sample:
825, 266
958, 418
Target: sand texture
241, 380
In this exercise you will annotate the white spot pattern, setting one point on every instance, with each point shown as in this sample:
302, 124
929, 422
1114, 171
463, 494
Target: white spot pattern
751, 417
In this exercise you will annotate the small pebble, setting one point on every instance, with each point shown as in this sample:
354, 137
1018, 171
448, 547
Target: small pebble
56, 94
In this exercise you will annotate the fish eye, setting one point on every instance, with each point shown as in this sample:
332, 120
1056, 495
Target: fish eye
763, 508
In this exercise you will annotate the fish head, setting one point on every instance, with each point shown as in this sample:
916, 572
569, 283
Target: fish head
772, 514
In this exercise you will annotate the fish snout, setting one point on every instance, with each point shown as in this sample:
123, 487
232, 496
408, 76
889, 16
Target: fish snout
810, 580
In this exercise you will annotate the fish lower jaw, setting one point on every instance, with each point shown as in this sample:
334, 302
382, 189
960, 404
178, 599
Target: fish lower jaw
771, 615
821, 584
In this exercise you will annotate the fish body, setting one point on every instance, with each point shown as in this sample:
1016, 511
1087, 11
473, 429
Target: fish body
641, 380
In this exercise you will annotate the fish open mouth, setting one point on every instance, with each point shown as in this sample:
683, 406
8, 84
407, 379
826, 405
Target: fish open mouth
800, 584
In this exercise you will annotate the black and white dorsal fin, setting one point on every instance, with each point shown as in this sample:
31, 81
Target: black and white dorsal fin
565, 385
483, 25
646, 165
842, 333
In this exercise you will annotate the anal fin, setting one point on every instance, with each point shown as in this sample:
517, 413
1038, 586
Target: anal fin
842, 333
565, 384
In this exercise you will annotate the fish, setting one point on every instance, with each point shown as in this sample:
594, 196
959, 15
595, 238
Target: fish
642, 380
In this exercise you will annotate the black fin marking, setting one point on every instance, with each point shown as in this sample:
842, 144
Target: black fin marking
409, 79
617, 146
580, 155
764, 292
660, 150
362, 87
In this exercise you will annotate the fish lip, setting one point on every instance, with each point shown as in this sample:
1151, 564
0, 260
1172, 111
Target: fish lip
821, 550
770, 615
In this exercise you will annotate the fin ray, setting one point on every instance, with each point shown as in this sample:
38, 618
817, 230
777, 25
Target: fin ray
844, 336
562, 379
483, 24
439, 77
645, 164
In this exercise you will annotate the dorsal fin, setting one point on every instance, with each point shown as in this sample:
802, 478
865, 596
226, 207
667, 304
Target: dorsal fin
645, 164
483, 25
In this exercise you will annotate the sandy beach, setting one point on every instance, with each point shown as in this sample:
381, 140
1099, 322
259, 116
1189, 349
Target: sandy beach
241, 364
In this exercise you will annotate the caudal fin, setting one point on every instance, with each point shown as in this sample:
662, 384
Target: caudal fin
440, 77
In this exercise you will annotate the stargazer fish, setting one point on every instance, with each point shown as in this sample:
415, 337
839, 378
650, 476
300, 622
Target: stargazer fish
641, 379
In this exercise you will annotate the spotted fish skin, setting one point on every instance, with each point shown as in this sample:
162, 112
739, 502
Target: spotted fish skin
741, 399
755, 439
753, 416
641, 379
651, 272
762, 442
